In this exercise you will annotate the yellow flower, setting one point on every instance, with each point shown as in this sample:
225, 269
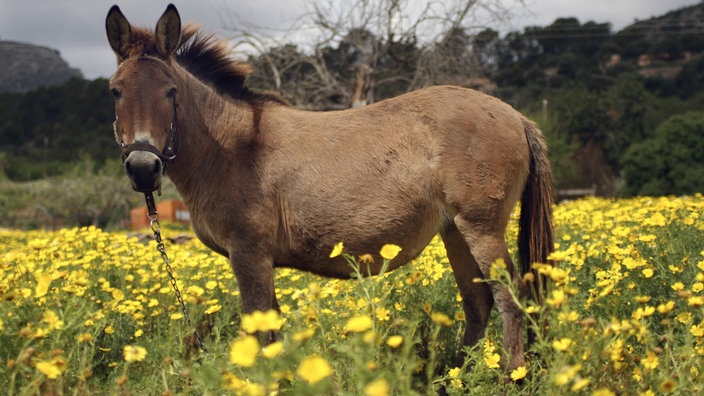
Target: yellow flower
134, 353
562, 344
667, 386
53, 320
579, 384
677, 286
454, 372
43, 282
53, 368
389, 252
109, 330
337, 250
244, 350
651, 361
378, 387
492, 359
695, 301
648, 272
118, 295
314, 369
394, 341
273, 350
261, 321
382, 314
666, 307
303, 334
697, 330
84, 338
603, 392
358, 324
213, 309
498, 267
441, 319
519, 373
557, 298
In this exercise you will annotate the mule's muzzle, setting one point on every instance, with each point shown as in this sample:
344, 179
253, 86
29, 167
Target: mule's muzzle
144, 170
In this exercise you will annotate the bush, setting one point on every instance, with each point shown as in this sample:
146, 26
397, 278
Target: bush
672, 162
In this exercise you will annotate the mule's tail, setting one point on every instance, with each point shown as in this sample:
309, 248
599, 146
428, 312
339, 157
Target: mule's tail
535, 236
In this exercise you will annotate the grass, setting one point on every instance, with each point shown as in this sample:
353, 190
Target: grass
86, 311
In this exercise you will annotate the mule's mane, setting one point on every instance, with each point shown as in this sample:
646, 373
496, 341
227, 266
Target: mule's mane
208, 59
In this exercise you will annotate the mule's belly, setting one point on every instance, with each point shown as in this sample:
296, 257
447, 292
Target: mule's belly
363, 232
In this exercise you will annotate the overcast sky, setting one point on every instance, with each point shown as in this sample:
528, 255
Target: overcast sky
76, 27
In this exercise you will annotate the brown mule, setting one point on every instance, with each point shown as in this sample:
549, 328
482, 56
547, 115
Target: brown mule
268, 185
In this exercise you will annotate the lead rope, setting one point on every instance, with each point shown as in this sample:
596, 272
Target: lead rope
153, 216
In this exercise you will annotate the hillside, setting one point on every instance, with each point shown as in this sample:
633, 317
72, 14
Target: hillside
26, 67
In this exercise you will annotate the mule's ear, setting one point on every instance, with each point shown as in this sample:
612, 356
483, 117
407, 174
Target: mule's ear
118, 30
168, 31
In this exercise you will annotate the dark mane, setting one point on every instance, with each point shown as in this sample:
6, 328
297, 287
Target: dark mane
208, 59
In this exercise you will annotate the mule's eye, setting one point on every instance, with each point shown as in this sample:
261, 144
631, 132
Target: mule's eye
171, 93
115, 93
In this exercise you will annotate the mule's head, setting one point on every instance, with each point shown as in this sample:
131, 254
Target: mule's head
144, 87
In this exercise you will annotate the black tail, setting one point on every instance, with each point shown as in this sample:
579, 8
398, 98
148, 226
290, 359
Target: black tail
535, 237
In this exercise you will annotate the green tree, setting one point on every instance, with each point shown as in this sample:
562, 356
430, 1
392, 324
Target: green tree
671, 162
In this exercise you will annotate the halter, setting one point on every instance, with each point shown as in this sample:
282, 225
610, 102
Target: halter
167, 156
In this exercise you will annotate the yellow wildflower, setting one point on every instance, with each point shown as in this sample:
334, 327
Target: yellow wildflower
382, 314
314, 369
441, 319
273, 350
579, 384
337, 250
244, 350
557, 298
261, 321
53, 368
213, 309
303, 334
389, 252
359, 324
134, 353
84, 338
394, 341
378, 387
53, 320
519, 373
651, 361
562, 344
43, 282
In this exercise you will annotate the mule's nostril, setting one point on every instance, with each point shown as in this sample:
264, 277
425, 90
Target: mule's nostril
128, 169
156, 170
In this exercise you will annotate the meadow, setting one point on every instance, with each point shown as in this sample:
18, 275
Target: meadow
86, 311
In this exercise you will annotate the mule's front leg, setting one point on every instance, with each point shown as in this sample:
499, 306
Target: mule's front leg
255, 276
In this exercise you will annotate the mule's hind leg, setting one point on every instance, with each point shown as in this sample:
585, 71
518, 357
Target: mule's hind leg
476, 297
487, 244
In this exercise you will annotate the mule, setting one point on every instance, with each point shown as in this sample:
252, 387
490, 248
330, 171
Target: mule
268, 185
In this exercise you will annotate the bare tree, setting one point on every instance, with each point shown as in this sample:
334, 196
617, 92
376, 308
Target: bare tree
364, 50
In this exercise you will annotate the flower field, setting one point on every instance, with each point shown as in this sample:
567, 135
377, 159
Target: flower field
86, 311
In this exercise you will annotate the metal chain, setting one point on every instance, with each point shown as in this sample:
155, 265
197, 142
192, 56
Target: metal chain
156, 228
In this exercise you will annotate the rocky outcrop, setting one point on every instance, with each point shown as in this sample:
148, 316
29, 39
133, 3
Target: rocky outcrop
25, 67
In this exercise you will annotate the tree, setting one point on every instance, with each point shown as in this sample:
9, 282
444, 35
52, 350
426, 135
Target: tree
672, 162
366, 50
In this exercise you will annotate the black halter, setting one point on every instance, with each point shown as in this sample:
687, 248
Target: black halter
167, 156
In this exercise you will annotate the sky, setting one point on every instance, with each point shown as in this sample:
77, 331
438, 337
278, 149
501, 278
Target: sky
76, 28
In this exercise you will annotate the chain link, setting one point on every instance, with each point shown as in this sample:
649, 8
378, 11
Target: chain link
156, 228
